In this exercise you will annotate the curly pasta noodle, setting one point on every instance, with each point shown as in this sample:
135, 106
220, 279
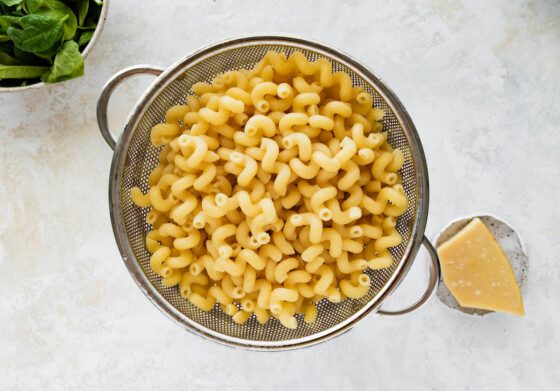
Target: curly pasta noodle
275, 189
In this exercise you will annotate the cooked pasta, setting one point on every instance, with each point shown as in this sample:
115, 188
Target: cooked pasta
275, 189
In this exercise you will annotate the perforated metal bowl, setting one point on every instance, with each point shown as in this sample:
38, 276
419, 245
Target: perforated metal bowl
135, 158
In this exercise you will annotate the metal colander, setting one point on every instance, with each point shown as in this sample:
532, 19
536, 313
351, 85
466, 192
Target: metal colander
135, 158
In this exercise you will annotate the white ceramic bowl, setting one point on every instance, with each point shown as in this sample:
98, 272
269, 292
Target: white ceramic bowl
91, 43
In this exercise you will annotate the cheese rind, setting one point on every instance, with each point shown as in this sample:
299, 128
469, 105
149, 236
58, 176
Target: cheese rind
477, 272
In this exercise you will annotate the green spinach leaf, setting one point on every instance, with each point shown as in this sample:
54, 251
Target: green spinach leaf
19, 11
21, 71
8, 21
68, 64
6, 59
57, 9
93, 16
88, 25
11, 3
85, 37
49, 54
83, 7
38, 33
29, 58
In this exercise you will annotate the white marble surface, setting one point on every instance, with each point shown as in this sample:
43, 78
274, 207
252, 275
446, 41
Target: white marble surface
480, 80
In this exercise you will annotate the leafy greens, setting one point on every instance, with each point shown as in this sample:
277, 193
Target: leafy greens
42, 40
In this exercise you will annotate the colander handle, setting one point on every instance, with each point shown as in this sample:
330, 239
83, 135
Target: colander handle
107, 91
434, 280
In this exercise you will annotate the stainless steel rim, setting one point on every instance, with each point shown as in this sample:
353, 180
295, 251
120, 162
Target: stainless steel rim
89, 47
120, 232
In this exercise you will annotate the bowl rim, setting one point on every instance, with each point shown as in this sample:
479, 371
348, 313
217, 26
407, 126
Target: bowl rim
120, 155
88, 48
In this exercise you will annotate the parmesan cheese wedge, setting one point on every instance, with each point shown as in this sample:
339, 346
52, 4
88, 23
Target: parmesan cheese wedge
477, 272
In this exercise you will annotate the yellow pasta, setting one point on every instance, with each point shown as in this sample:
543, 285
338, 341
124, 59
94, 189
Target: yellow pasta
275, 189
288, 121
282, 269
139, 198
347, 267
379, 169
301, 141
241, 317
303, 100
310, 313
261, 314
318, 200
301, 85
188, 242
164, 133
358, 290
312, 252
316, 226
258, 93
326, 278
262, 123
218, 238
279, 296
286, 316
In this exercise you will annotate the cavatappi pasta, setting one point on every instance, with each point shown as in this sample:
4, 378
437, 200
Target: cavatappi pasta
275, 189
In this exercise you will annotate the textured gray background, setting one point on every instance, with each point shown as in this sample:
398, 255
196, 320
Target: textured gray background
480, 80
